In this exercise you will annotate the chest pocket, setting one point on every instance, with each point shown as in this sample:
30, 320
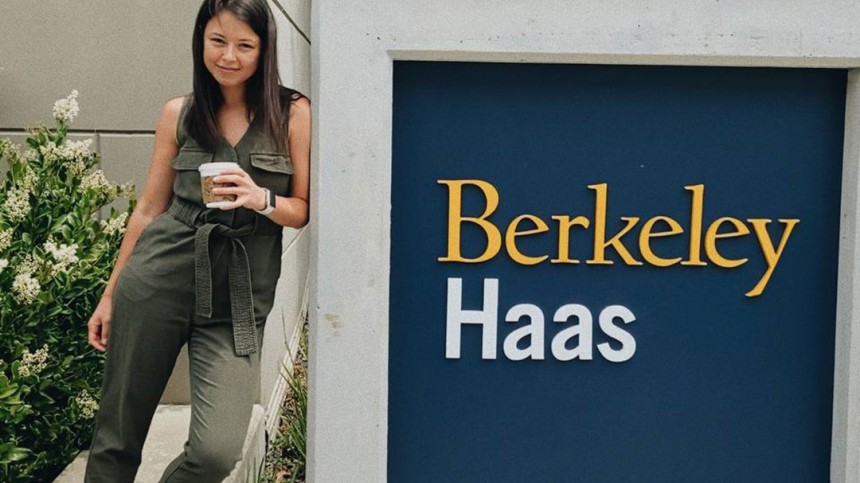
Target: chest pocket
187, 182
272, 171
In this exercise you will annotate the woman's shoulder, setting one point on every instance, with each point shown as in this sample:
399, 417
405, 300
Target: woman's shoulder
173, 107
171, 114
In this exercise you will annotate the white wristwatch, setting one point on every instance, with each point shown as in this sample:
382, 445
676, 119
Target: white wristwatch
270, 203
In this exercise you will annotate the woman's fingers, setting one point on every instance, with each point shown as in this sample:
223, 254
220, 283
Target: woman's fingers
105, 331
238, 184
94, 332
98, 327
234, 177
229, 190
239, 197
229, 179
238, 172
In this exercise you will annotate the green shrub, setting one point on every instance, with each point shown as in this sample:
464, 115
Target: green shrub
55, 258
286, 458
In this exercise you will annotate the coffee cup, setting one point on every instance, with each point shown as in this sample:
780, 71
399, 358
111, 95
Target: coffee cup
208, 172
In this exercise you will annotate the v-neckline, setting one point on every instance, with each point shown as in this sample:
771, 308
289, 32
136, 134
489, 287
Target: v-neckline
244, 135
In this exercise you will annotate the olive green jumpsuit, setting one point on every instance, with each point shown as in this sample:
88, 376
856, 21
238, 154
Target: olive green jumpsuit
205, 277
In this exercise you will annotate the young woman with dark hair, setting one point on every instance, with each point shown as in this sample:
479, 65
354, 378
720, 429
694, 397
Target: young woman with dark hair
203, 276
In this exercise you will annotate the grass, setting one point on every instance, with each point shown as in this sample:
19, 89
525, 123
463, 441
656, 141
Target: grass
285, 459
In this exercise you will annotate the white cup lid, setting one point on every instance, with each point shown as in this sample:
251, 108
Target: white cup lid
214, 169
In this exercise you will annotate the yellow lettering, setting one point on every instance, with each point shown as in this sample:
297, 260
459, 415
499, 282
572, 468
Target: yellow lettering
771, 256
647, 234
711, 241
696, 225
564, 226
511, 239
456, 219
600, 242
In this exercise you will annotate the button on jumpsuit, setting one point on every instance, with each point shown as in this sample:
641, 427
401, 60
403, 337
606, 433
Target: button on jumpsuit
205, 277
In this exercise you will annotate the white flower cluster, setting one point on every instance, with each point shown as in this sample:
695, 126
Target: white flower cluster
115, 225
86, 404
29, 180
98, 182
66, 109
9, 151
3, 264
33, 363
5, 239
127, 188
74, 152
30, 155
64, 255
26, 288
13, 153
29, 265
17, 204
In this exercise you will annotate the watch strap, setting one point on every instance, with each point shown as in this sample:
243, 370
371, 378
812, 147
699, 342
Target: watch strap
270, 203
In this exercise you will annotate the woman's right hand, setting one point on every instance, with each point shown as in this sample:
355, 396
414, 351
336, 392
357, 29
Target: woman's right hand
99, 324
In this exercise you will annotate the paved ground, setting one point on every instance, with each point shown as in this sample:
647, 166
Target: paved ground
166, 437
165, 441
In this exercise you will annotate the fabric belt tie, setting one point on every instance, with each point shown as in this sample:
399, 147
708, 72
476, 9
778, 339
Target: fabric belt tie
239, 274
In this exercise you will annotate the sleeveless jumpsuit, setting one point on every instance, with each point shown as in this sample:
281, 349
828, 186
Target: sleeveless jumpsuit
205, 277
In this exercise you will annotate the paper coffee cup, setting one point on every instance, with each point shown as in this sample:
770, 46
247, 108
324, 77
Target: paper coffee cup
208, 172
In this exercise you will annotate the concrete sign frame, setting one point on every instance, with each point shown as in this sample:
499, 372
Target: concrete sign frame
354, 47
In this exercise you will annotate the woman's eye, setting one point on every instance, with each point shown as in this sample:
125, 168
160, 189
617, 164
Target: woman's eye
218, 41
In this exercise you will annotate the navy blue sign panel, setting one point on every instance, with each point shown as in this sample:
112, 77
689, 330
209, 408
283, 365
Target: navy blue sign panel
609, 274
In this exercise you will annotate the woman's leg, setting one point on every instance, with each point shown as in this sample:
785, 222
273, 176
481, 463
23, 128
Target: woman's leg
224, 389
144, 340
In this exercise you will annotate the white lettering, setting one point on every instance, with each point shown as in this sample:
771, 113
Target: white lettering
628, 343
456, 317
534, 331
583, 330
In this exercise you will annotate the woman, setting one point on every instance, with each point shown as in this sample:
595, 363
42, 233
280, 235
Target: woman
206, 277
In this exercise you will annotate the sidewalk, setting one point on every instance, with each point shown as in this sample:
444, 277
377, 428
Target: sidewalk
165, 441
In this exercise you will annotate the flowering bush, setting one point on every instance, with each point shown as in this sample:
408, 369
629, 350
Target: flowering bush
55, 258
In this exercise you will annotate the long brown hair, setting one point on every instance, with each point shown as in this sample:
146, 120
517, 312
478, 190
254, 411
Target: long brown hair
263, 92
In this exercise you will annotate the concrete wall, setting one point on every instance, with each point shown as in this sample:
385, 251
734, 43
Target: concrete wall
126, 59
354, 46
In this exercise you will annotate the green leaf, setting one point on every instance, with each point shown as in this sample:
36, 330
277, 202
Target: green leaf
35, 420
17, 454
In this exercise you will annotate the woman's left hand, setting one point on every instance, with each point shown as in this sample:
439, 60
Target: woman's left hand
246, 191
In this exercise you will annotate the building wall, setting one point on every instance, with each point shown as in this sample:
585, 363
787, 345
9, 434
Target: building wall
354, 46
126, 59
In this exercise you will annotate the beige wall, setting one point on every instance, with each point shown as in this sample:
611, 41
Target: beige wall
126, 59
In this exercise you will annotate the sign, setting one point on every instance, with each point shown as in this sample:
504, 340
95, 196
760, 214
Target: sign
613, 273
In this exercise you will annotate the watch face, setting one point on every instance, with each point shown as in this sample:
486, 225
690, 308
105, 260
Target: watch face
272, 199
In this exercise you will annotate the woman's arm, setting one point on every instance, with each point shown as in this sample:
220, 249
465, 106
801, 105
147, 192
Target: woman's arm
293, 210
290, 210
153, 201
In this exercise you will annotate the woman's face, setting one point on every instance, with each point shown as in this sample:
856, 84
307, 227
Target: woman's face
231, 49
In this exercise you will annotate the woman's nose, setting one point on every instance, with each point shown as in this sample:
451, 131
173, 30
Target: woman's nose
229, 54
